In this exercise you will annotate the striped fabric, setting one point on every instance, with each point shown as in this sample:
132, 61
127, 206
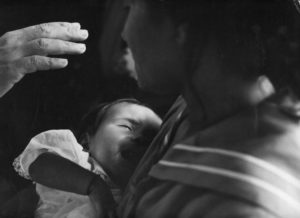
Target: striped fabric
246, 165
253, 179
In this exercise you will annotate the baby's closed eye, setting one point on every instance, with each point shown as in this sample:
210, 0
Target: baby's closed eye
126, 126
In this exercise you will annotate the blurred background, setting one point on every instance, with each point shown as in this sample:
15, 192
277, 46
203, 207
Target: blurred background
58, 99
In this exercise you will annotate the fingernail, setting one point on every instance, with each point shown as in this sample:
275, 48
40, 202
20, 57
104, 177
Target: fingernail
63, 62
77, 25
82, 47
84, 33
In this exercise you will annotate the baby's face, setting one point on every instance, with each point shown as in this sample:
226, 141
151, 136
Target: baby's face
122, 138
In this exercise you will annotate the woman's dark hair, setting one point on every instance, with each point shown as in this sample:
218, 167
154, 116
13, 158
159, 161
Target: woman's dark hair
92, 120
258, 36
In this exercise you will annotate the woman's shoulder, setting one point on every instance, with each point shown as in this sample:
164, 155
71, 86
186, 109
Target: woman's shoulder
262, 180
174, 199
253, 155
263, 136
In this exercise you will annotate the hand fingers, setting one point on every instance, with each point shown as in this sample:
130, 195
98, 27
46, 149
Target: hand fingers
5, 77
13, 72
51, 47
41, 47
36, 63
17, 69
55, 30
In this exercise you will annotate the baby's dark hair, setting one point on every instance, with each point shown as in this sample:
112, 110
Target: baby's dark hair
91, 121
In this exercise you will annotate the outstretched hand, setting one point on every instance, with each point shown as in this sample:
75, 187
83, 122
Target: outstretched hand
26, 50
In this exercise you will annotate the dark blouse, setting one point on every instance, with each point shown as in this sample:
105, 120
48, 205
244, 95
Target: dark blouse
245, 166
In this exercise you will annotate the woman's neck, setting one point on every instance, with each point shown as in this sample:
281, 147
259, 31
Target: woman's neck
212, 95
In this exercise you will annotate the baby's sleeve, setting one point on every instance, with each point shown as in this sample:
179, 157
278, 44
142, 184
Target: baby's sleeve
60, 142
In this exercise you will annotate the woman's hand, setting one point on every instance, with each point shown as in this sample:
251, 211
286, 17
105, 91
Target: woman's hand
101, 198
26, 50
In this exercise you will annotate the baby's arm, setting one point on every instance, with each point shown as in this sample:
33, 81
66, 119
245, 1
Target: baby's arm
53, 159
57, 172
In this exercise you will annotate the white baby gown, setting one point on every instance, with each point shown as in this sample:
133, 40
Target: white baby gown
54, 203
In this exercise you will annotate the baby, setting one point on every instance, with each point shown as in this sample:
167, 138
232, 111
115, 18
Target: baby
73, 181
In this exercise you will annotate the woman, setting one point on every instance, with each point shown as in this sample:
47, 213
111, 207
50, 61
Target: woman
234, 151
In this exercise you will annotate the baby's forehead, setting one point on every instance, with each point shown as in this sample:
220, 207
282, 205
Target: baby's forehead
127, 109
134, 112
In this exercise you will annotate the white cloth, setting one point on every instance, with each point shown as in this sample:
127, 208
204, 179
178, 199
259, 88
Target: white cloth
55, 203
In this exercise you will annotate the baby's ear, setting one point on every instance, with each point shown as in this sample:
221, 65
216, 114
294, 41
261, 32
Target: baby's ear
85, 141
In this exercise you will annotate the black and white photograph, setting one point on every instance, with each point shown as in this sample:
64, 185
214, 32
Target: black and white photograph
149, 108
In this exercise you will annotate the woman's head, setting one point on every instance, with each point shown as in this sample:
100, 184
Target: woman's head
117, 135
249, 35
